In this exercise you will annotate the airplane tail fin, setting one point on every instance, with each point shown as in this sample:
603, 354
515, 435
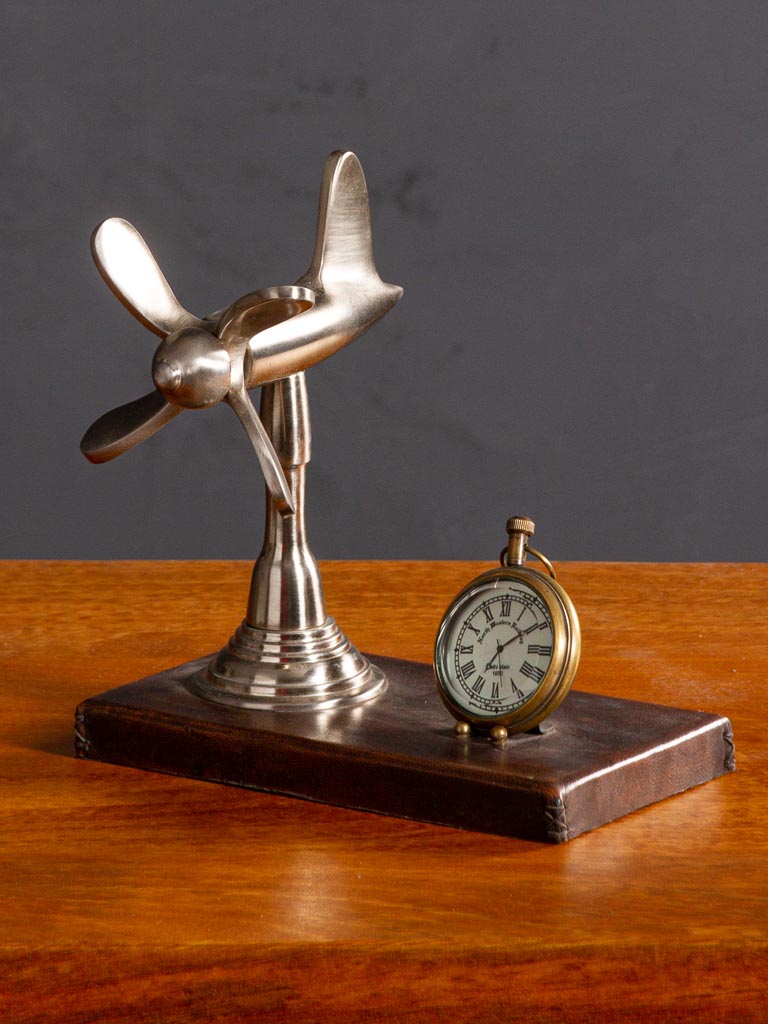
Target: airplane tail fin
343, 246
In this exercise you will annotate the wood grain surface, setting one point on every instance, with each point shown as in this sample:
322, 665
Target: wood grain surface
130, 896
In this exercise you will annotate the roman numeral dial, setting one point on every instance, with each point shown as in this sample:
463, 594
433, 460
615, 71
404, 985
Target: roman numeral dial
507, 648
501, 647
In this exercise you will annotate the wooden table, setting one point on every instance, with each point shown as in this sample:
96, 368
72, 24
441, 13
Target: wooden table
128, 896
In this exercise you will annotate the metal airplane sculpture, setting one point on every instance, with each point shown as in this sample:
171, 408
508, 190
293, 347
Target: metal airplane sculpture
262, 337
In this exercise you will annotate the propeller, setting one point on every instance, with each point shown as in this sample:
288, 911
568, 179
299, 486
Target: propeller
197, 364
131, 272
262, 337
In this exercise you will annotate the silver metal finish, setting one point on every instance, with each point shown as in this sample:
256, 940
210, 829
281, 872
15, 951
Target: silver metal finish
132, 274
286, 567
287, 654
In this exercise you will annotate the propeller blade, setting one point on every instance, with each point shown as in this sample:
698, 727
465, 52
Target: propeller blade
122, 428
132, 274
274, 477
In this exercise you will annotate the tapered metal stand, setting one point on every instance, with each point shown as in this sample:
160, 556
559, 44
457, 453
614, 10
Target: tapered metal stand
288, 654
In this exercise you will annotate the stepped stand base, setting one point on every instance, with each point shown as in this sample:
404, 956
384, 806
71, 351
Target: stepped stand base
300, 670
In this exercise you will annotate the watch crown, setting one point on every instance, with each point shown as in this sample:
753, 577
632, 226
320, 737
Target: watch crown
520, 524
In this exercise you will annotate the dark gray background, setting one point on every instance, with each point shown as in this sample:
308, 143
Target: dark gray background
573, 195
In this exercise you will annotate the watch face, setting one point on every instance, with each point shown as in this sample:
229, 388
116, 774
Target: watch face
495, 648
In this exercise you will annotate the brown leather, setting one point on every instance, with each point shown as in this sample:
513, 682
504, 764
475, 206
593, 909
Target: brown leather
601, 757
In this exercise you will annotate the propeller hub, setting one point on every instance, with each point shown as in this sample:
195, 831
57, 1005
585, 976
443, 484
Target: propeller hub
167, 376
191, 368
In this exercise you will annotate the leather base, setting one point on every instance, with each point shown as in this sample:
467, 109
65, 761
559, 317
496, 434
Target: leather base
598, 759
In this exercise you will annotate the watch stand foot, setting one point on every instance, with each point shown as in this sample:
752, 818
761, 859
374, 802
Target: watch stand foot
499, 734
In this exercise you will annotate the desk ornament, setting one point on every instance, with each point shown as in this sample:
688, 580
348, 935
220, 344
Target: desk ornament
287, 653
508, 647
289, 705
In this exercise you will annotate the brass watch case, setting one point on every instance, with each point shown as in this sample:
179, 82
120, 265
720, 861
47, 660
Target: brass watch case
566, 650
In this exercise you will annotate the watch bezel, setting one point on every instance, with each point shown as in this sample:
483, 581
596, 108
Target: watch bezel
566, 642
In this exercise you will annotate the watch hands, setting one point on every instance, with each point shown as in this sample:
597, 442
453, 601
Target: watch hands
512, 640
500, 647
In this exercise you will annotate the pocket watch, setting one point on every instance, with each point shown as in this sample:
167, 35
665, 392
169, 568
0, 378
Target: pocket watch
508, 646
